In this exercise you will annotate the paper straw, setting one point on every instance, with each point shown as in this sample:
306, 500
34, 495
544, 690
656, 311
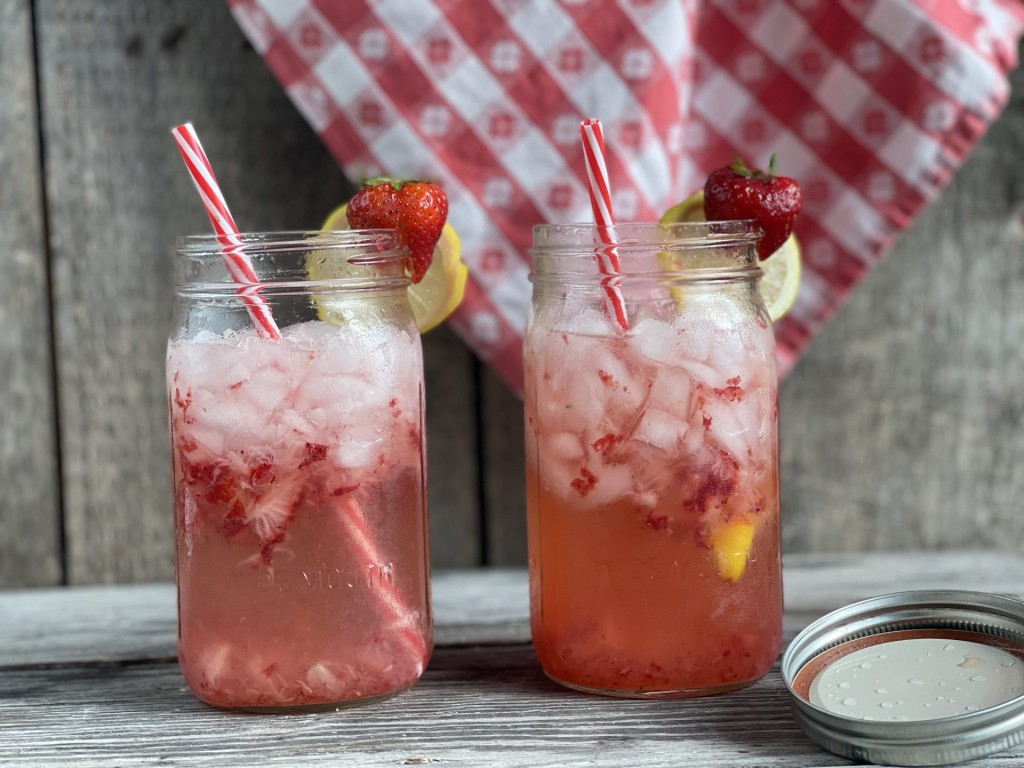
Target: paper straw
601, 203
235, 258
356, 529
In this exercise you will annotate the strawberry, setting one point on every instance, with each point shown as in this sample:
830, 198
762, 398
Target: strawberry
417, 209
736, 192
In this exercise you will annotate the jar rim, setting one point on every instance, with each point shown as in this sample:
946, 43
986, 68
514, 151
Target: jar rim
281, 260
683, 234
384, 242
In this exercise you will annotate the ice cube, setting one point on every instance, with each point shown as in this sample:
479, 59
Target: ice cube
208, 439
562, 445
613, 483
694, 341
359, 447
705, 374
266, 390
578, 318
725, 429
661, 430
657, 341
671, 390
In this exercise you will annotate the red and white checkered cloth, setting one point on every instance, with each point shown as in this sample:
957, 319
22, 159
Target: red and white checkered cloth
871, 104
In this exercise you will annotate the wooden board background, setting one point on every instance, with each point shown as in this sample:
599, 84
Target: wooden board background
901, 426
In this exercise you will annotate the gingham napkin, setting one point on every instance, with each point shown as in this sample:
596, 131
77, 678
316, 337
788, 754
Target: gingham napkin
871, 104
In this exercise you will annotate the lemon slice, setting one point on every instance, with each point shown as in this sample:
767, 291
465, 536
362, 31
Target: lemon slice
731, 544
781, 279
433, 298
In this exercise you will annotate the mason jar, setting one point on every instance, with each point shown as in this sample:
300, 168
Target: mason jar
652, 460
298, 470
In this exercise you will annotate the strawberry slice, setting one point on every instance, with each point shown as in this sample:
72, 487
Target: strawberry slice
416, 209
737, 192
271, 514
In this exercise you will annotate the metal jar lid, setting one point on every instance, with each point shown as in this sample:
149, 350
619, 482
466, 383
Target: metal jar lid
912, 678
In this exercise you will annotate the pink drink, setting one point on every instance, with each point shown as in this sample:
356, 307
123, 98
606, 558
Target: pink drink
652, 476
300, 513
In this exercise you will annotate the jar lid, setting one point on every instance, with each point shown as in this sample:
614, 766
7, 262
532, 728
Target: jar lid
912, 678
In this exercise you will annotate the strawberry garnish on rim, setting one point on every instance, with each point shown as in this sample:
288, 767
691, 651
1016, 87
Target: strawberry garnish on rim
416, 209
773, 202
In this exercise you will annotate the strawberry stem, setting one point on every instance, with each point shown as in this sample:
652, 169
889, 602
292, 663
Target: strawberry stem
740, 168
376, 181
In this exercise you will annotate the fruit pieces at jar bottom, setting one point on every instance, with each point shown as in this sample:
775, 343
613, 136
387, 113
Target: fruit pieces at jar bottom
279, 446
628, 609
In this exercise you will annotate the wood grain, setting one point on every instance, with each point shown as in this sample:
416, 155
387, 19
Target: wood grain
105, 692
453, 470
902, 424
489, 606
116, 76
504, 474
30, 526
108, 624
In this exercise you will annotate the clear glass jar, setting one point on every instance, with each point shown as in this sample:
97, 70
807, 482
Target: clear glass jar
299, 474
652, 462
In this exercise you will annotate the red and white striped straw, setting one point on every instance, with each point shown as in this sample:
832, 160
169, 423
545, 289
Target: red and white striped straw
235, 258
601, 202
395, 613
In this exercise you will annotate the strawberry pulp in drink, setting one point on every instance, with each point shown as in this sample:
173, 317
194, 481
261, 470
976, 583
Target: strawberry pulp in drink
652, 479
299, 502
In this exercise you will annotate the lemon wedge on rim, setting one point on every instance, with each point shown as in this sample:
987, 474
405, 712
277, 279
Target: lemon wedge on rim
433, 298
781, 279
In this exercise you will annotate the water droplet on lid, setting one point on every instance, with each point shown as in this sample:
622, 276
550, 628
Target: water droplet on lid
844, 684
865, 665
1009, 663
971, 708
915, 681
949, 647
849, 701
886, 705
978, 679
881, 690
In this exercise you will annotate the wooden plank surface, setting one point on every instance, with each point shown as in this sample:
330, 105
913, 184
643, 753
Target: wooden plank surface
30, 530
484, 703
106, 624
901, 426
503, 469
116, 75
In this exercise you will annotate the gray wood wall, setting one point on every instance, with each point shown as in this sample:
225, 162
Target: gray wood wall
901, 427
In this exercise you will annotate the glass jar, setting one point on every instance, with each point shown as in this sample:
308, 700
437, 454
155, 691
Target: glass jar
652, 461
299, 473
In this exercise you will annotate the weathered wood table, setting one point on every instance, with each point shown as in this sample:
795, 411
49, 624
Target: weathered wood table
88, 678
